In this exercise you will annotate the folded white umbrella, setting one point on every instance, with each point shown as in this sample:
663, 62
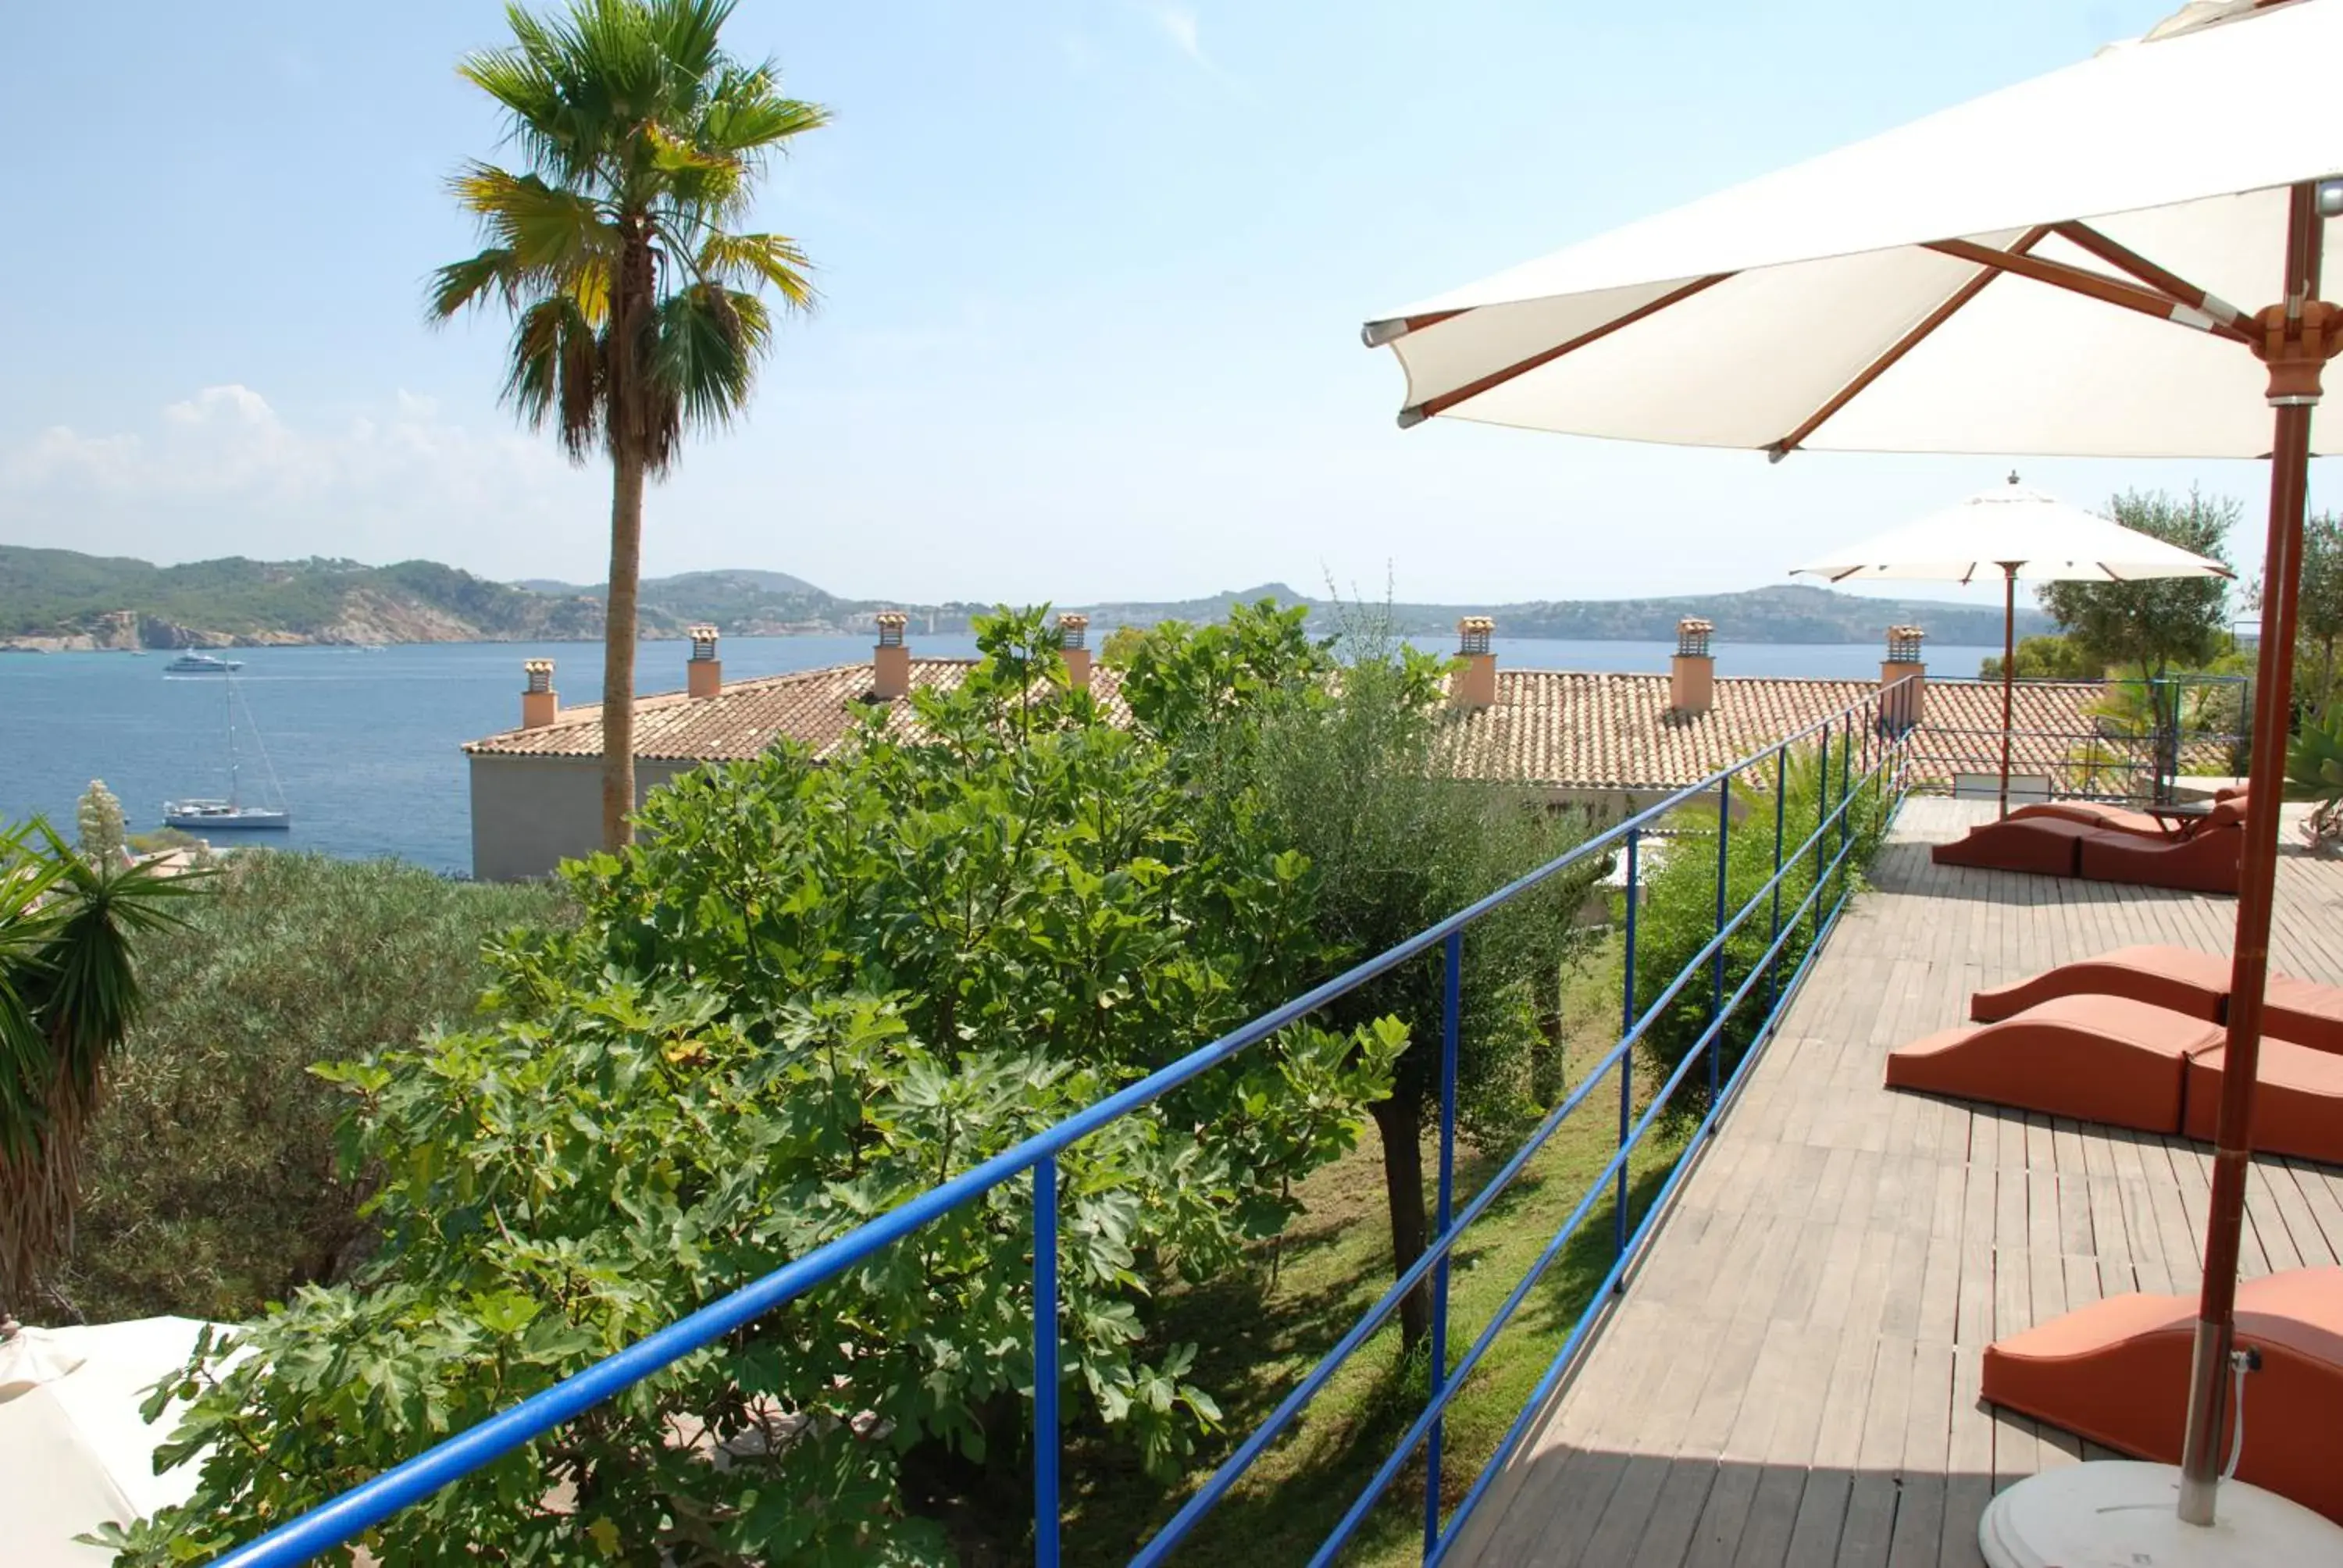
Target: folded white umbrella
74, 1452
2045, 269
2018, 535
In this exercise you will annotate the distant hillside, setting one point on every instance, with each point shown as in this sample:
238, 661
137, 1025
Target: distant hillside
61, 598
1782, 612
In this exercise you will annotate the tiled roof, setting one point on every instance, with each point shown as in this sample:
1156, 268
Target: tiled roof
1554, 729
1571, 729
817, 708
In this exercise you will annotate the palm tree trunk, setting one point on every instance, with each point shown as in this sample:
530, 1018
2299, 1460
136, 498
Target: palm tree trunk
618, 635
630, 306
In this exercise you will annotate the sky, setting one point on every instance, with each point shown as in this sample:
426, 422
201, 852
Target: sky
1092, 274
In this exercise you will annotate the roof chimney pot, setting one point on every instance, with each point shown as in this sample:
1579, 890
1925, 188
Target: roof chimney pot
1475, 685
703, 674
1073, 630
1692, 677
538, 701
1903, 681
891, 661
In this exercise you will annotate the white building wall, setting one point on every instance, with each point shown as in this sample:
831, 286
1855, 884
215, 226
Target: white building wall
532, 813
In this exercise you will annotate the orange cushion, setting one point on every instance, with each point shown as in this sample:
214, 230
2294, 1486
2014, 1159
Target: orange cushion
2094, 1058
2297, 1100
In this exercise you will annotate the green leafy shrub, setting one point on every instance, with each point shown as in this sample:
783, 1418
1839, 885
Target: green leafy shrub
2314, 771
1346, 759
210, 1180
1678, 917
809, 994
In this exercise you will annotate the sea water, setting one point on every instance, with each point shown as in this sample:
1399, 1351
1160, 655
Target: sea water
366, 744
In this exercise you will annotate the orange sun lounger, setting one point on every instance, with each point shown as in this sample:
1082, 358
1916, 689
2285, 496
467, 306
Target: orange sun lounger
2117, 1372
2183, 980
2106, 844
2140, 824
2129, 1063
2094, 1058
2042, 845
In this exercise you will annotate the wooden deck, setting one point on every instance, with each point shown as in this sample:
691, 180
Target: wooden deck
1792, 1376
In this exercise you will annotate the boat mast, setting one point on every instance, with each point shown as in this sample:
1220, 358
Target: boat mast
228, 682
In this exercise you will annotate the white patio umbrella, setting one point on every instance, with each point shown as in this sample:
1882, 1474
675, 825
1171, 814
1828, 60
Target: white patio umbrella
2019, 534
74, 1452
2045, 269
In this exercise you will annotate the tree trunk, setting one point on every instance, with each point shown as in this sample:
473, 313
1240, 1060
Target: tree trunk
1400, 1121
618, 636
629, 439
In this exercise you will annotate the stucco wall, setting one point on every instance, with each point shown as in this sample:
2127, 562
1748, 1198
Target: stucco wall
532, 813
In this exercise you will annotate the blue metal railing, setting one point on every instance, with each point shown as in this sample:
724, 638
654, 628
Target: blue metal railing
1864, 728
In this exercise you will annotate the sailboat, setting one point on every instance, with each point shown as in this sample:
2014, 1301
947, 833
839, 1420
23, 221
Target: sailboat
232, 812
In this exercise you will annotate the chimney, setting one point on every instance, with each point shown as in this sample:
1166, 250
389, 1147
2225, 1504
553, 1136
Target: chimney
703, 674
1692, 678
1902, 707
1071, 632
1475, 685
891, 661
538, 701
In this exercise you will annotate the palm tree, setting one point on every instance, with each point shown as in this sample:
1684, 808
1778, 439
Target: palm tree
68, 996
638, 312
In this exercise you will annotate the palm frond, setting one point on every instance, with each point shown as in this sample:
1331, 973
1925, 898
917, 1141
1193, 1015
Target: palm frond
556, 376
747, 115
773, 261
688, 34
493, 273
550, 232
704, 367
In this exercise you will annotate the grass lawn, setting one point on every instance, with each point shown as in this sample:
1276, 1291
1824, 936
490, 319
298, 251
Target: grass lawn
1258, 1331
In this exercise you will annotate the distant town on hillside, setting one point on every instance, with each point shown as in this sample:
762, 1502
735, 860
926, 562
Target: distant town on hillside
55, 600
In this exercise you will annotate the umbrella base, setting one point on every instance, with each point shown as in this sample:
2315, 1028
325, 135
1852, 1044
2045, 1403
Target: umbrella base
2116, 1513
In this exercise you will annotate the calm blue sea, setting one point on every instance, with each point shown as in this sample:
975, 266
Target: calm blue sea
366, 743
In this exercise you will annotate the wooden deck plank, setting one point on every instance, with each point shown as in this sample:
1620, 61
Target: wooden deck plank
1793, 1375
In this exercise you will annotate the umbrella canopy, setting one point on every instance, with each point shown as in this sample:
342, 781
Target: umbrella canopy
74, 1452
1840, 304
2017, 535
2047, 269
2016, 531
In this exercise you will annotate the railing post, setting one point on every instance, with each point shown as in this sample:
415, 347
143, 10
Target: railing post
1626, 1058
1045, 1362
1822, 820
1847, 803
1773, 938
1717, 966
1452, 1011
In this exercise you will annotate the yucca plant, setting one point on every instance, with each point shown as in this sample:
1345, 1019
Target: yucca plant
639, 311
2314, 771
69, 994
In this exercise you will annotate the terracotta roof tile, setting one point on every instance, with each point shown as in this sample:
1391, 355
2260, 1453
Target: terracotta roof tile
816, 708
1554, 728
1571, 729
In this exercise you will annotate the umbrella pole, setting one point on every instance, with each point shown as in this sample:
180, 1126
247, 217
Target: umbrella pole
2008, 666
2295, 363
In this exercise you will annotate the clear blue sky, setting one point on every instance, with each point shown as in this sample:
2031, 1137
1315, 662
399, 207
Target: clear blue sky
1092, 273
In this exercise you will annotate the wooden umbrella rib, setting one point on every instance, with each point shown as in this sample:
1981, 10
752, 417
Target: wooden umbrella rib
1440, 404
1900, 347
2091, 285
2170, 284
